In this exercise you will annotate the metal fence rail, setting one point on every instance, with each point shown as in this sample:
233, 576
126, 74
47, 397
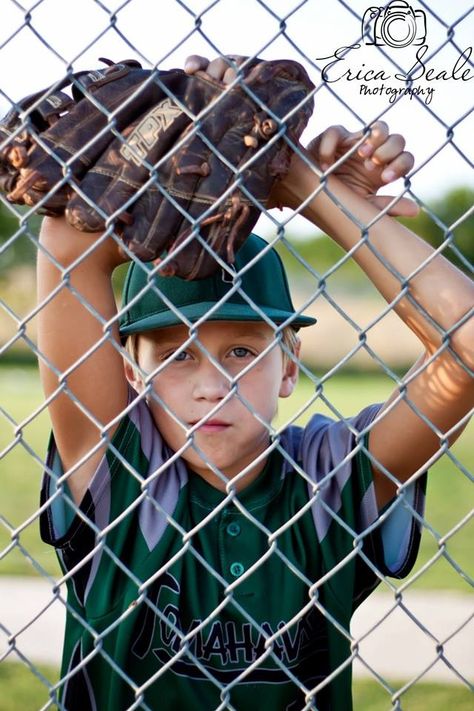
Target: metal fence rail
186, 644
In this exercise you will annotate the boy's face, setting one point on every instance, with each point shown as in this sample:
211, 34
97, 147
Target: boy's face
192, 385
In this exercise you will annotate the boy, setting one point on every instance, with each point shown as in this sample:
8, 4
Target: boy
213, 562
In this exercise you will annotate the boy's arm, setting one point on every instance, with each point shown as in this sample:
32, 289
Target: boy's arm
438, 393
81, 371
439, 390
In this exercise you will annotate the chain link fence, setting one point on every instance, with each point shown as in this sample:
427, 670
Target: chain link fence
238, 604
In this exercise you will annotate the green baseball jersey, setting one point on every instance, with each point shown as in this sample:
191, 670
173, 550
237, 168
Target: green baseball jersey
181, 596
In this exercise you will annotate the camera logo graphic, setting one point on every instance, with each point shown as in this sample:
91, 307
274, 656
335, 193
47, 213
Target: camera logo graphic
396, 25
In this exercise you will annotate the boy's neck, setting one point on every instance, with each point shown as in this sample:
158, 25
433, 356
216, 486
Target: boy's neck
238, 484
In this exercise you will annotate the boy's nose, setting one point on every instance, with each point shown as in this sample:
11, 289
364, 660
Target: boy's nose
211, 383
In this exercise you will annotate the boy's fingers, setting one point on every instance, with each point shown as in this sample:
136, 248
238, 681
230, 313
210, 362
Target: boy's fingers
398, 167
195, 63
219, 68
326, 145
229, 75
380, 150
389, 150
378, 135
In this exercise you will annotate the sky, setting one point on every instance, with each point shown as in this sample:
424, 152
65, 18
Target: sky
39, 40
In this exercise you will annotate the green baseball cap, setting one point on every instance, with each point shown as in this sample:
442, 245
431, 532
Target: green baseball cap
147, 295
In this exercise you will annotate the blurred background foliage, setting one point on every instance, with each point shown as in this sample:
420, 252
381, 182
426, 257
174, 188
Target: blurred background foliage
449, 219
447, 223
18, 233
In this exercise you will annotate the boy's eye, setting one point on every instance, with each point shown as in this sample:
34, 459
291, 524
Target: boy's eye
179, 356
176, 356
241, 352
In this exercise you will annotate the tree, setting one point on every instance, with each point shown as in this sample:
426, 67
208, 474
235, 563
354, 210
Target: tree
17, 238
435, 223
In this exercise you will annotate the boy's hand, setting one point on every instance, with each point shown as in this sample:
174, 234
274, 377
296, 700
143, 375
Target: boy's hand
379, 160
220, 68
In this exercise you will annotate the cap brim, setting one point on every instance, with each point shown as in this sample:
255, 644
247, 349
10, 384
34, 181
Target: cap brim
226, 312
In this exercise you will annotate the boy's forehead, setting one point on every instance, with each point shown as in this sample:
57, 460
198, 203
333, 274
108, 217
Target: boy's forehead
224, 329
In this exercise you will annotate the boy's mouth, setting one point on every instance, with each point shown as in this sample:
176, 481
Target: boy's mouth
212, 425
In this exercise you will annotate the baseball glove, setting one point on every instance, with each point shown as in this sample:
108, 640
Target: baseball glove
182, 164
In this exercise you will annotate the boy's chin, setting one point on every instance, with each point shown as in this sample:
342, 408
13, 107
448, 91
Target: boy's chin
207, 468
230, 470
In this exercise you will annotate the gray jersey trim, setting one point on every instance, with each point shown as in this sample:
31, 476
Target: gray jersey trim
99, 492
397, 529
326, 452
162, 489
327, 456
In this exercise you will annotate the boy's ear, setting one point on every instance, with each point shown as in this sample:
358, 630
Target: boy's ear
133, 376
290, 373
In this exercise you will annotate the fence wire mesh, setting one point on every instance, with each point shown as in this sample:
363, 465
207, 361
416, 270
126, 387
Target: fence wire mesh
235, 596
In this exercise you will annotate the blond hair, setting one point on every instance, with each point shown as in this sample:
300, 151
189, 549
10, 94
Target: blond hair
290, 339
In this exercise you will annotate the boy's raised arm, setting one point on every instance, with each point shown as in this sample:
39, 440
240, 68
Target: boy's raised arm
80, 369
431, 296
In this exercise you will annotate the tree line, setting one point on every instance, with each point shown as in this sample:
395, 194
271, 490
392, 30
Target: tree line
447, 221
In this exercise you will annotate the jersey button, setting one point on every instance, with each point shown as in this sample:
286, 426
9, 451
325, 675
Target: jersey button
237, 569
233, 529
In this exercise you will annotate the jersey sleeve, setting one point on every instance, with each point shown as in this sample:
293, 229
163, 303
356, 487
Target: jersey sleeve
125, 507
353, 534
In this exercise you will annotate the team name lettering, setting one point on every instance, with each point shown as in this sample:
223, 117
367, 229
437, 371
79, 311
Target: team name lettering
226, 649
229, 642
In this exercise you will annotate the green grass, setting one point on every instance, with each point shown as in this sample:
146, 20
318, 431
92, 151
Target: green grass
449, 491
21, 471
370, 696
22, 690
